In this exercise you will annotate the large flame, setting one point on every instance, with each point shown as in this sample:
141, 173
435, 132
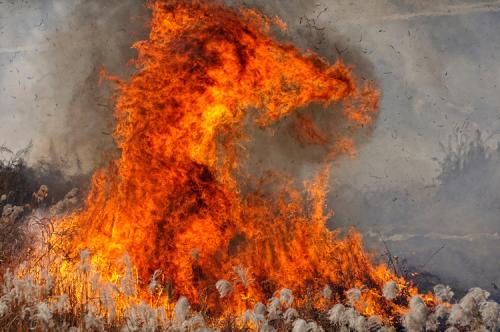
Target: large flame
172, 201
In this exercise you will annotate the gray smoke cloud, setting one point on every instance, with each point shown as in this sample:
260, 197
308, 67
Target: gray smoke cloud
51, 52
436, 63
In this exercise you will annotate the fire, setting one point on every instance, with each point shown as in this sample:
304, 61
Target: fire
173, 202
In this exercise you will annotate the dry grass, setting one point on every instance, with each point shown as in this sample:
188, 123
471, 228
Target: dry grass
53, 292
77, 297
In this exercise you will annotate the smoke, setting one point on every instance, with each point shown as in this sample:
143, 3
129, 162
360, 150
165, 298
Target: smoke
434, 205
447, 231
49, 71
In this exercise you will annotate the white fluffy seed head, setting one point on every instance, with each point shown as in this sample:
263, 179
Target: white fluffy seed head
252, 317
353, 295
62, 304
360, 324
300, 325
259, 308
432, 323
336, 314
441, 311
243, 275
479, 294
351, 316
459, 316
443, 293
181, 309
416, 318
195, 323
286, 297
43, 314
490, 315
314, 327
247, 316
224, 288
274, 305
92, 322
327, 292
154, 282
290, 315
473, 299
3, 308
390, 290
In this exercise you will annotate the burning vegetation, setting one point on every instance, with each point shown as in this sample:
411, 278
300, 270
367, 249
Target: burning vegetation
167, 238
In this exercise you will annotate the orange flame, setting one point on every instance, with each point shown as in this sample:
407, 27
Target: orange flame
172, 200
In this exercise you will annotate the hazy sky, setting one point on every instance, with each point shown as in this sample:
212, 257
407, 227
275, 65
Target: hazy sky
437, 64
